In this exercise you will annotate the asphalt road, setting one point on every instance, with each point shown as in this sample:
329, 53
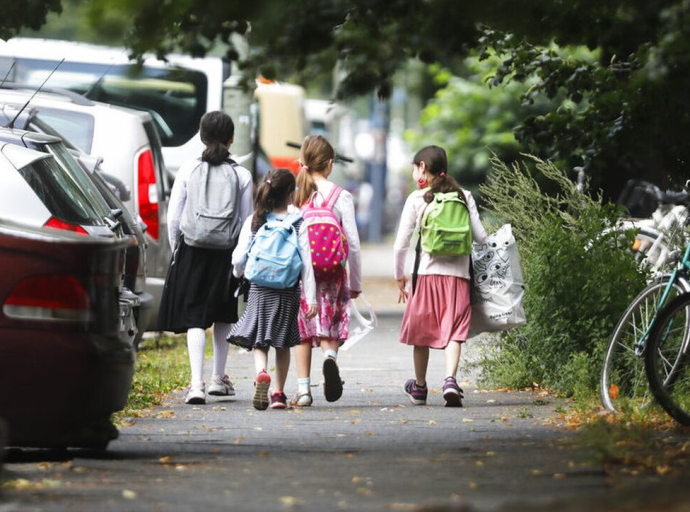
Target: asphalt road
372, 450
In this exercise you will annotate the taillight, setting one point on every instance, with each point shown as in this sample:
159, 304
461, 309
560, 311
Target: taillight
49, 297
148, 193
66, 226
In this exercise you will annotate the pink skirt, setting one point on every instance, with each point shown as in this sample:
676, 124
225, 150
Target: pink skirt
332, 320
438, 312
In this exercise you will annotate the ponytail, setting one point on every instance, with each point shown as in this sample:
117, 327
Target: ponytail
215, 153
274, 192
306, 186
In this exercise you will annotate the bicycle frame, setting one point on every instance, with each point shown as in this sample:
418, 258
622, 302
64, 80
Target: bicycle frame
683, 268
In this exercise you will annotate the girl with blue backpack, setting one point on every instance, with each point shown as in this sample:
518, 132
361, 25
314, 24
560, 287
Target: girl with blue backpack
438, 311
273, 254
330, 217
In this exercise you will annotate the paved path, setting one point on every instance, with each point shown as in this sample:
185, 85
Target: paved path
371, 450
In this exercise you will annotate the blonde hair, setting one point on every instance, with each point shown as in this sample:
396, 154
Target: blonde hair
314, 156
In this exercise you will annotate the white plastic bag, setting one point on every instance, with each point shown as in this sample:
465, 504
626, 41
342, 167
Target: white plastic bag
498, 284
359, 325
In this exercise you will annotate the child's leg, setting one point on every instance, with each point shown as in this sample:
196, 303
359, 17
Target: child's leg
452, 393
282, 367
263, 380
421, 363
332, 384
260, 359
220, 347
452, 351
303, 359
196, 343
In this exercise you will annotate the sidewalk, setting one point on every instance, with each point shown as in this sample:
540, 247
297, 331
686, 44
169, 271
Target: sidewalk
378, 284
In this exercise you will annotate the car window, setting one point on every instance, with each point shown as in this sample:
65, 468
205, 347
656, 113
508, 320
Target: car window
175, 97
40, 126
75, 126
57, 191
75, 172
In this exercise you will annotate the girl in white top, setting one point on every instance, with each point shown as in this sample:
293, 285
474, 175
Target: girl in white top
438, 312
199, 288
330, 328
270, 319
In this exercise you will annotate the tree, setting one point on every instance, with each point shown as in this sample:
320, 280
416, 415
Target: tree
630, 112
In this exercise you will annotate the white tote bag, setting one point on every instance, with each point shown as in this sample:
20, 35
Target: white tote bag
498, 284
360, 326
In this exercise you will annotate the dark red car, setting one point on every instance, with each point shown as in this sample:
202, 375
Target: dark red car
59, 326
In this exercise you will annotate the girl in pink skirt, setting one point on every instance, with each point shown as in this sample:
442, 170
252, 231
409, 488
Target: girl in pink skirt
329, 329
438, 311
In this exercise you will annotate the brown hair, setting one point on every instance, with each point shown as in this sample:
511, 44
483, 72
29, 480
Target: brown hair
315, 153
436, 162
273, 192
216, 129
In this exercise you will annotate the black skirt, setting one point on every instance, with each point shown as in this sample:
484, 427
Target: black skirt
199, 290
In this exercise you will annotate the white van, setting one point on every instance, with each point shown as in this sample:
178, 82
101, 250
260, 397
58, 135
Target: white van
175, 93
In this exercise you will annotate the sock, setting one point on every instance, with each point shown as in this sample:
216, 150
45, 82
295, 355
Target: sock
220, 347
331, 353
196, 342
303, 385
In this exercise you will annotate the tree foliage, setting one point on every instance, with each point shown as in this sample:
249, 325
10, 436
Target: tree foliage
630, 115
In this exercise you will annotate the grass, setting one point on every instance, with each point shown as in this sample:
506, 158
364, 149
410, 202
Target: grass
162, 367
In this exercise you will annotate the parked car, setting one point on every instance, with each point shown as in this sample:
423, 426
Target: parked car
59, 319
114, 191
50, 192
176, 92
128, 143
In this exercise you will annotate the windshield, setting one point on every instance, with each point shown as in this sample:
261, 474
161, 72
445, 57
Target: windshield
175, 97
59, 193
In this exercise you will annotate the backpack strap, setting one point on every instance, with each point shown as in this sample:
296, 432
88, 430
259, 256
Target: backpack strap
333, 197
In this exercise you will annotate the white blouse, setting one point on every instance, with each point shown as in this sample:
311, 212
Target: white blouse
240, 256
410, 221
344, 210
178, 198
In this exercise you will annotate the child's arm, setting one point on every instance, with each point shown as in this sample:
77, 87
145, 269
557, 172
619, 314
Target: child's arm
354, 259
239, 255
178, 198
408, 222
308, 280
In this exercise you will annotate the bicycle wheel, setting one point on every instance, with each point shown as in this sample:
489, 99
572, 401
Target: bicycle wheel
666, 361
623, 381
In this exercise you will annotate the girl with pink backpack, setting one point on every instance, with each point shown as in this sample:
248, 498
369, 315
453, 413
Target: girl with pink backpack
329, 216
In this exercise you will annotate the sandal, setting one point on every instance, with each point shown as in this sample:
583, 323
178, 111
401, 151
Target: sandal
302, 400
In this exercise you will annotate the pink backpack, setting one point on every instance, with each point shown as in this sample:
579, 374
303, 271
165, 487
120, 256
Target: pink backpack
326, 238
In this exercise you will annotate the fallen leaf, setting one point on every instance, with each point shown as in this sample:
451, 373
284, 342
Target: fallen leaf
613, 391
432, 422
166, 414
536, 472
165, 460
289, 501
467, 420
364, 491
559, 476
355, 422
264, 454
238, 440
472, 486
354, 411
356, 479
369, 433
129, 495
662, 470
480, 464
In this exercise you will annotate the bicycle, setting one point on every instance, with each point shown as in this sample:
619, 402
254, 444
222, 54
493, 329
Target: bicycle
666, 361
623, 376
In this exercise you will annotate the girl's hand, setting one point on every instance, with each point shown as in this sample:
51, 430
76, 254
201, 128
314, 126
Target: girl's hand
402, 297
354, 295
311, 312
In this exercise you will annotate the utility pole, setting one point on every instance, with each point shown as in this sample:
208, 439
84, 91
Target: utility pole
380, 119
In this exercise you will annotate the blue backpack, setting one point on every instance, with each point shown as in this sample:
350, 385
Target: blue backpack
273, 259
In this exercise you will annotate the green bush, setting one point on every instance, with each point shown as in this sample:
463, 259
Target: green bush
579, 276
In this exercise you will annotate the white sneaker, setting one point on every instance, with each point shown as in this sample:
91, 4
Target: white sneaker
196, 394
221, 386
